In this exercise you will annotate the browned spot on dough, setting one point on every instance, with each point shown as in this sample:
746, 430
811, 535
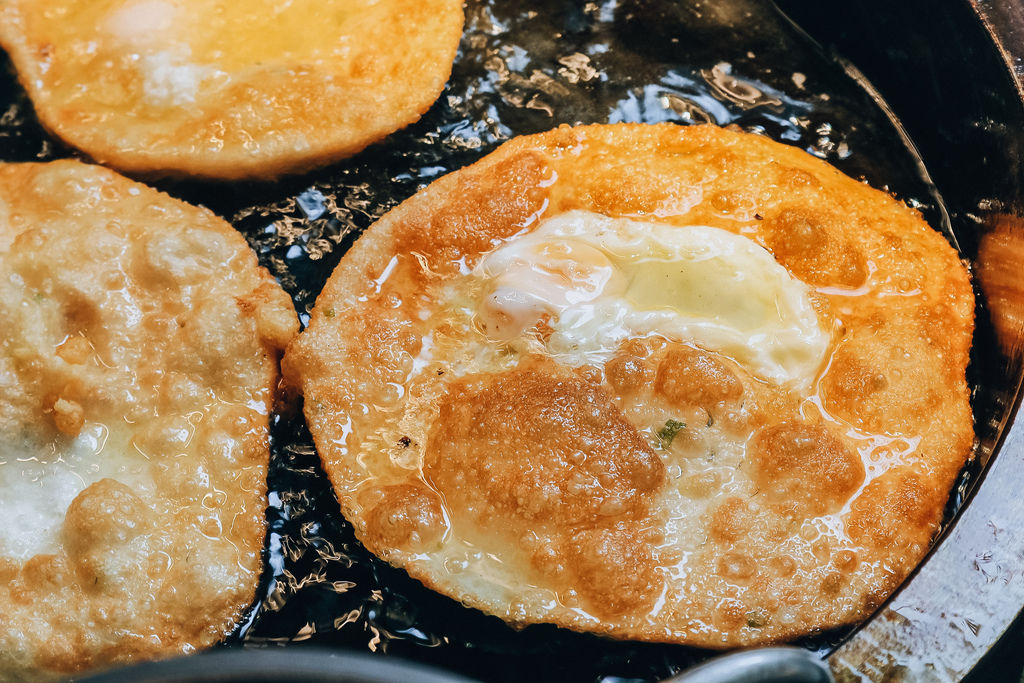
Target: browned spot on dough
69, 416
731, 614
812, 247
832, 583
689, 376
549, 559
476, 215
845, 560
901, 506
105, 512
8, 569
729, 203
628, 372
407, 516
736, 566
782, 565
805, 464
100, 524
614, 569
40, 572
877, 382
538, 444
797, 179
75, 350
731, 520
623, 198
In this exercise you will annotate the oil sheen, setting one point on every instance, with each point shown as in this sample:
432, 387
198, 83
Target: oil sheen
522, 67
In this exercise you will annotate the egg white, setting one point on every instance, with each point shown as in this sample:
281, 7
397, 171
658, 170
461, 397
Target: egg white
597, 281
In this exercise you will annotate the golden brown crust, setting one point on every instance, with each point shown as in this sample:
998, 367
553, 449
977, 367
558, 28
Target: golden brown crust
229, 91
567, 455
811, 244
137, 377
690, 376
805, 465
738, 510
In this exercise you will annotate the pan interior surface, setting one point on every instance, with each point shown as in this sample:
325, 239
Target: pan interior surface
527, 67
961, 105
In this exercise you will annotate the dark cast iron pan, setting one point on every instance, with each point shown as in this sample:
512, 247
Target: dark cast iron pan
951, 74
916, 97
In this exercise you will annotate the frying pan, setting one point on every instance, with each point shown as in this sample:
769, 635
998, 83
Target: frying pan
952, 76
917, 97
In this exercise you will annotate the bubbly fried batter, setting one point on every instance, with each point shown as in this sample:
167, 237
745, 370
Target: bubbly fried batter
229, 89
662, 487
137, 368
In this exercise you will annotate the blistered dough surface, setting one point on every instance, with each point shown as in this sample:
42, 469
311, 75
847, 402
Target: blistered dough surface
662, 489
227, 89
137, 369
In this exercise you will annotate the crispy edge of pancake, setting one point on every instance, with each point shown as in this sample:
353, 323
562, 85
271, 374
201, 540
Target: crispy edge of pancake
52, 589
321, 117
443, 223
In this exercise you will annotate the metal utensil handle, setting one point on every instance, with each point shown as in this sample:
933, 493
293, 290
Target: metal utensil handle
766, 665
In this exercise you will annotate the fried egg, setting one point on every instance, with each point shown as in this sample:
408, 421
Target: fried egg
225, 89
600, 281
137, 372
665, 383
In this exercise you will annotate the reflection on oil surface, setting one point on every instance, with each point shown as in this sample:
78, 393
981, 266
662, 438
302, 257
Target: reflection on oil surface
522, 67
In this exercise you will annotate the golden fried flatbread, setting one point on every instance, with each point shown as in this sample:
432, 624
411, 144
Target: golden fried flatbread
137, 369
229, 89
665, 383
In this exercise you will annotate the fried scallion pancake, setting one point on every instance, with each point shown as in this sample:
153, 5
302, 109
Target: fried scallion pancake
664, 383
137, 369
229, 89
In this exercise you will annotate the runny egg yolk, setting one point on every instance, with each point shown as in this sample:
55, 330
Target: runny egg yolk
597, 281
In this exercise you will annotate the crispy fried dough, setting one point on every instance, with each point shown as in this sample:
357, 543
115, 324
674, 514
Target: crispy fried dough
666, 492
229, 89
137, 369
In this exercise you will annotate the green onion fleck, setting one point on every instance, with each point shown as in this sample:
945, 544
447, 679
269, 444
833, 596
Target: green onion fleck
757, 619
668, 433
